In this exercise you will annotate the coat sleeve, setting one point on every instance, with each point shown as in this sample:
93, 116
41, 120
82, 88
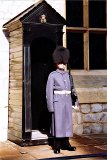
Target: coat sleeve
49, 93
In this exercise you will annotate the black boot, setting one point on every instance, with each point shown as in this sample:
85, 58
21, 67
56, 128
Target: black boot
57, 145
57, 150
65, 145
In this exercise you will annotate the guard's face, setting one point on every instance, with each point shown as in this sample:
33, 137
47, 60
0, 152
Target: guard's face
61, 66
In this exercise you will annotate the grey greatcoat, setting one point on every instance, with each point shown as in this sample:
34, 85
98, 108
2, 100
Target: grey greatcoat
59, 104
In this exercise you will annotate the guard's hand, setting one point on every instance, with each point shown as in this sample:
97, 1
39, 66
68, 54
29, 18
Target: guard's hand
76, 106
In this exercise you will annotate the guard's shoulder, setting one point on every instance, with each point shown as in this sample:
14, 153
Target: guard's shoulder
52, 73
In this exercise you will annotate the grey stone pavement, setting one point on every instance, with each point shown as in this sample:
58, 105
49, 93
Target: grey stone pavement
95, 146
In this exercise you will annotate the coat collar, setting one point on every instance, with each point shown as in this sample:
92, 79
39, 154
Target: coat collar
61, 71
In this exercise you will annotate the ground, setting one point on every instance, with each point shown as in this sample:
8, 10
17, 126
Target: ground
93, 145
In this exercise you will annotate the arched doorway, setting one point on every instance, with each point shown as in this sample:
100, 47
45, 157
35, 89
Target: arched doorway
41, 65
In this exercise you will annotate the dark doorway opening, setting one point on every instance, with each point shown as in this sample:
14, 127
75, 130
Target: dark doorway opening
41, 65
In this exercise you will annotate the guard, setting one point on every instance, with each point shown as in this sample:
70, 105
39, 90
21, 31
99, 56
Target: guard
59, 101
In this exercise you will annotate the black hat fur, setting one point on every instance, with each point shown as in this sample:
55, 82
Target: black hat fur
61, 55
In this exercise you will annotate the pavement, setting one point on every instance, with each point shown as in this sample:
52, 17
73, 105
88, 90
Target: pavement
89, 147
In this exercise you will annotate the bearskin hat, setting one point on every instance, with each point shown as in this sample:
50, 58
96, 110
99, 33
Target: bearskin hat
61, 55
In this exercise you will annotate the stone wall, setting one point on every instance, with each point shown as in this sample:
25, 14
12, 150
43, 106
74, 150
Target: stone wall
90, 119
91, 87
15, 84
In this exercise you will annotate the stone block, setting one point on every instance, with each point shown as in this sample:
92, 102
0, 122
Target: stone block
103, 117
15, 91
102, 94
16, 67
85, 108
105, 128
77, 118
15, 133
18, 120
96, 108
97, 128
78, 129
104, 107
91, 117
15, 103
74, 119
86, 129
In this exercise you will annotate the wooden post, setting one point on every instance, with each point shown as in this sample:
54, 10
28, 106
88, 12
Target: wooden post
86, 34
86, 50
